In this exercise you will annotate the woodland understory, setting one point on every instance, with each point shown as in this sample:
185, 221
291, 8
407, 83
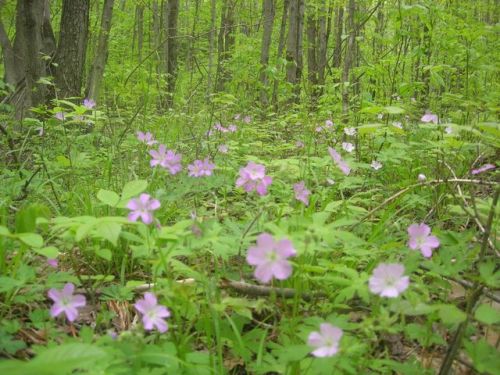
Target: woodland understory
249, 187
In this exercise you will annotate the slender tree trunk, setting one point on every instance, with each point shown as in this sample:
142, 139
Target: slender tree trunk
225, 42
324, 22
70, 56
139, 19
12, 73
170, 18
268, 11
211, 48
101, 52
349, 57
294, 46
339, 26
312, 51
281, 47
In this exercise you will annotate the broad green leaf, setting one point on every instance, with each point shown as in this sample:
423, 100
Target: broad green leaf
393, 110
50, 252
487, 314
109, 231
4, 231
133, 188
104, 253
451, 314
108, 197
31, 239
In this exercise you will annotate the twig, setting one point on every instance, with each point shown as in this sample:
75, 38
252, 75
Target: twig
260, 290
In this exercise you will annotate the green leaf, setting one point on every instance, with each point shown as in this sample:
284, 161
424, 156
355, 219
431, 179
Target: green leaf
487, 314
133, 188
393, 110
451, 314
31, 239
108, 197
4, 231
50, 252
109, 231
104, 254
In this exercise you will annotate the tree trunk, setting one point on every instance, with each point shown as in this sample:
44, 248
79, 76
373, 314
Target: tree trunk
12, 72
211, 48
268, 11
101, 53
170, 17
70, 56
349, 57
312, 50
339, 26
294, 46
225, 42
281, 47
33, 39
139, 18
324, 22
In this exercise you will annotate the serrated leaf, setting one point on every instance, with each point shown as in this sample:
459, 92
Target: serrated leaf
108, 197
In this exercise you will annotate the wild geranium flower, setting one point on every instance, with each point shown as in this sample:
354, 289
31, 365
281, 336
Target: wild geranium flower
299, 144
88, 103
338, 160
223, 149
421, 239
52, 262
152, 314
66, 302
350, 131
387, 280
319, 129
429, 117
448, 130
253, 177
376, 165
326, 341
328, 124
166, 159
482, 169
201, 168
60, 116
270, 258
301, 192
247, 119
347, 146
146, 138
421, 177
232, 128
143, 208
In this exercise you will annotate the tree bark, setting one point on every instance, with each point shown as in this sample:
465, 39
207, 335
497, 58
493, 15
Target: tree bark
281, 47
268, 11
139, 18
70, 56
211, 48
349, 57
101, 53
294, 46
12, 72
339, 26
170, 18
225, 42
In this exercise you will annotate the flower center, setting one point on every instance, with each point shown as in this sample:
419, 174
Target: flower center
272, 256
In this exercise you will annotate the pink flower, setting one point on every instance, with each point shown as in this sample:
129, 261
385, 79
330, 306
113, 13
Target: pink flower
299, 144
387, 280
326, 341
166, 159
223, 149
301, 192
220, 128
270, 258
420, 239
421, 177
201, 168
347, 146
482, 169
88, 103
253, 177
328, 124
448, 130
146, 138
319, 129
247, 119
65, 301
60, 116
232, 128
152, 314
52, 262
429, 117
376, 165
338, 160
142, 207
350, 131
